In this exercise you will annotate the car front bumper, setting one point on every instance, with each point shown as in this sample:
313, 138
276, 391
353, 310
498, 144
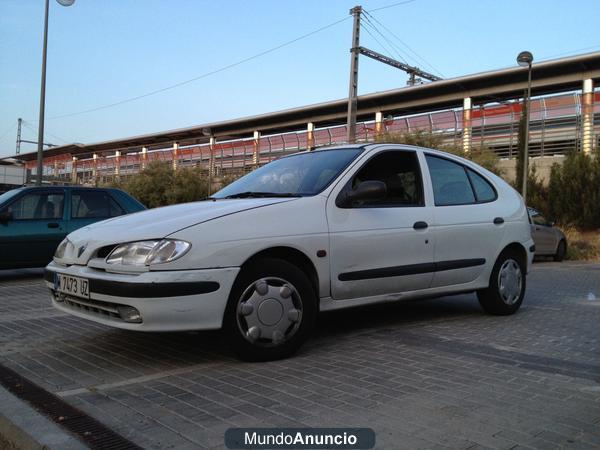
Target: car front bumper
166, 300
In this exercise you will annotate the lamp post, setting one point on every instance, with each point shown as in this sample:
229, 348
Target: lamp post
524, 59
40, 141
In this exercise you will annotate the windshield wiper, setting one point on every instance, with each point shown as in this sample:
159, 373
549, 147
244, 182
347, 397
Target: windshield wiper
254, 194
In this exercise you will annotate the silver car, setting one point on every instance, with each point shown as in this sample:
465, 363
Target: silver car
549, 240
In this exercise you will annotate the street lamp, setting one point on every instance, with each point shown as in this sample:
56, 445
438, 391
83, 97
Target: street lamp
40, 142
524, 59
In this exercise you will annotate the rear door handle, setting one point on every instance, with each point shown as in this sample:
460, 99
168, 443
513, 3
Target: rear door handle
420, 225
52, 225
498, 221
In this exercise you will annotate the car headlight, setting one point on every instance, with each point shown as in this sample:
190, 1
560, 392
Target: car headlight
60, 250
148, 252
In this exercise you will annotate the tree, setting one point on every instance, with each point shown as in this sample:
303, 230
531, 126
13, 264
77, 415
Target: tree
574, 191
537, 193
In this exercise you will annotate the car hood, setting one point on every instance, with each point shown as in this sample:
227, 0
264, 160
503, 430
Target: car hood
161, 222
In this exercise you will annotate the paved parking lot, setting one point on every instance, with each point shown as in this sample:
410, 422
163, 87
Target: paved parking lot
430, 374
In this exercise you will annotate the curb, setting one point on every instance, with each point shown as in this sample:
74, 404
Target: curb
22, 427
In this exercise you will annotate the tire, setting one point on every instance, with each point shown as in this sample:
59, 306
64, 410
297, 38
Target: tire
506, 289
561, 251
271, 311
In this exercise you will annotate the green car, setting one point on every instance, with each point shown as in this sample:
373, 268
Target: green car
34, 220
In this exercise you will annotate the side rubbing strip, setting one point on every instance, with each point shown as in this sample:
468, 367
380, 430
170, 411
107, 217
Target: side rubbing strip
412, 269
384, 272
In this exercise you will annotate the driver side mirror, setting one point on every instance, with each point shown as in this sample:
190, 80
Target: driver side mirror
5, 216
367, 190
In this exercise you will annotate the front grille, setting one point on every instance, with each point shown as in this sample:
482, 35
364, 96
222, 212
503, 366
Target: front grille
93, 307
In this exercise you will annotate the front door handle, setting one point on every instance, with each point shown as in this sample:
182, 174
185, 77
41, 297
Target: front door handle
420, 225
52, 225
498, 221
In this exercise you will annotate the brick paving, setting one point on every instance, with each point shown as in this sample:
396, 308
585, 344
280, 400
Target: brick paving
430, 374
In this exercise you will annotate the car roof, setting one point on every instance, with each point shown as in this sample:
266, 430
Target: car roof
66, 186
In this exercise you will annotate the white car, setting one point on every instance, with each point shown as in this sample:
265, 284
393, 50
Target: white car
328, 229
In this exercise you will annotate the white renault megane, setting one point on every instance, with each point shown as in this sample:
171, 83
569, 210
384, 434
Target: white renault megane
314, 231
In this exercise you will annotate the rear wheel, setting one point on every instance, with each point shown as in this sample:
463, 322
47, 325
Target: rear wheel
271, 311
561, 250
506, 290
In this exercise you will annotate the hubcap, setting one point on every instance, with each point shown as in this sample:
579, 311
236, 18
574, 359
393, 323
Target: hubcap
269, 312
510, 282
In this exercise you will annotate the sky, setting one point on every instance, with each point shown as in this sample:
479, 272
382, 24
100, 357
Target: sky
102, 52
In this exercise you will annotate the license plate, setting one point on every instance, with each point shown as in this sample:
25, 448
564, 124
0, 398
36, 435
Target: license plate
79, 287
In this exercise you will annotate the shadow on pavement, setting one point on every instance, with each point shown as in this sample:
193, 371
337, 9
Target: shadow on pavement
21, 274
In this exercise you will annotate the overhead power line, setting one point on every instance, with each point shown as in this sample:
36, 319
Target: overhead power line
33, 130
204, 75
419, 57
393, 5
571, 52
395, 49
366, 27
8, 130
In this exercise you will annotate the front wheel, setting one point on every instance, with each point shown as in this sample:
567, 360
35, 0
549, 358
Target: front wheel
271, 310
561, 250
506, 290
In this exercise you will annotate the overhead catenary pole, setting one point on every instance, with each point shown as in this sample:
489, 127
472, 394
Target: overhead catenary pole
40, 141
353, 88
19, 123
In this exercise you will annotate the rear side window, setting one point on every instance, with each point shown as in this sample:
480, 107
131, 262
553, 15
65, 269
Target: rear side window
455, 184
94, 204
538, 219
483, 189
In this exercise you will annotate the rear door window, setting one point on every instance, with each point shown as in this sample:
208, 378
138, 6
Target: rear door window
455, 184
451, 185
94, 205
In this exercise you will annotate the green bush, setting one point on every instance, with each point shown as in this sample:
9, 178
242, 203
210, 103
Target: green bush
574, 191
420, 138
423, 138
159, 185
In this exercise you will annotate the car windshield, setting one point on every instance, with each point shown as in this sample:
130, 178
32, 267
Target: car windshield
299, 175
8, 195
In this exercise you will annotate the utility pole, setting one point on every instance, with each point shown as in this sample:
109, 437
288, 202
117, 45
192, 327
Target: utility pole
18, 149
40, 141
353, 89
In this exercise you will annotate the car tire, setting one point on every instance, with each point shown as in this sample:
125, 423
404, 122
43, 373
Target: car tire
561, 251
506, 289
272, 310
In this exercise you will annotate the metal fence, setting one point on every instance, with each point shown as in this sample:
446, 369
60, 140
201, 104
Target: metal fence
555, 128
